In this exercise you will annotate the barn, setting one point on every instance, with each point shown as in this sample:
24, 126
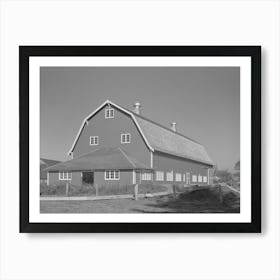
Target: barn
115, 145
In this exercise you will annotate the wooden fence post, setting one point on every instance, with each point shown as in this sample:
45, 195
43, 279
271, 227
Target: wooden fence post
136, 191
96, 189
174, 190
67, 188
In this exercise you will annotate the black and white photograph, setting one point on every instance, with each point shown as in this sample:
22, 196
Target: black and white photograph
135, 135
149, 140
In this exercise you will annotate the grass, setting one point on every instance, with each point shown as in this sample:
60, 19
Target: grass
193, 201
150, 188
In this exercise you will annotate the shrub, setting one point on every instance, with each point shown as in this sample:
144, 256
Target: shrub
58, 190
151, 188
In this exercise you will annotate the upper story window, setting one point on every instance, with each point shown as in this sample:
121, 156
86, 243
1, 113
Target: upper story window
93, 140
109, 113
125, 138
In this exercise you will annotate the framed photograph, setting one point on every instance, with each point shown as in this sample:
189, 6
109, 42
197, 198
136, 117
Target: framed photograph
140, 139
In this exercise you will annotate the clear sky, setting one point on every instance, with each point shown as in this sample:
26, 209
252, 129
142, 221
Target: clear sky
204, 101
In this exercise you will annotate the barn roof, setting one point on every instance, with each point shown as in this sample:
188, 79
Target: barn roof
44, 163
101, 159
167, 141
159, 138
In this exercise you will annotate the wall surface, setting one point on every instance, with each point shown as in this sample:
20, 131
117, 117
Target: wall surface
139, 256
125, 179
167, 163
109, 132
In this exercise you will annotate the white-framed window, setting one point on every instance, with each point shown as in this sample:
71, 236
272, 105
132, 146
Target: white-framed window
194, 178
65, 176
199, 178
125, 138
146, 176
178, 177
112, 175
159, 176
204, 179
184, 177
109, 113
94, 140
169, 176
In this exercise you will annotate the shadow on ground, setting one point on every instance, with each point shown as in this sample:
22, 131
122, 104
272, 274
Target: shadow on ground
196, 201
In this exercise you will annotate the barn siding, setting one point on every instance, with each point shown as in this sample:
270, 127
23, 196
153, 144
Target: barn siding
125, 178
167, 163
109, 132
54, 179
77, 179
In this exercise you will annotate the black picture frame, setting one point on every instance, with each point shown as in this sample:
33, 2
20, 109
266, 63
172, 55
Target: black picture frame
25, 52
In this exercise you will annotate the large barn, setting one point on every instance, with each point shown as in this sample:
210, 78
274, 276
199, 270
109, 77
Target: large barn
115, 145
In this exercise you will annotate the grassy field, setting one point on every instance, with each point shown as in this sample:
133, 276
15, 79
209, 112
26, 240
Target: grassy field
195, 201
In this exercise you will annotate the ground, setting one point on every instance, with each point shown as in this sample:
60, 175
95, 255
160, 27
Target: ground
202, 201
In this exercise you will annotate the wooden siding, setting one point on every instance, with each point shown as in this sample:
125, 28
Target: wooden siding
54, 179
125, 179
109, 132
166, 163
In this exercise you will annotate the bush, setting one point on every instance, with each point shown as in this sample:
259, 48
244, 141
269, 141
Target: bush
150, 188
58, 190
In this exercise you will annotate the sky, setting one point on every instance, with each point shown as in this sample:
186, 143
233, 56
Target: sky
203, 101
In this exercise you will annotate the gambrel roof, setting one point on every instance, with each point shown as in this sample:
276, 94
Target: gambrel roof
103, 158
158, 137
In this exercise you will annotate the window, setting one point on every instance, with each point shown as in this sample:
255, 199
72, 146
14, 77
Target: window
65, 175
184, 177
159, 176
169, 176
109, 113
178, 177
194, 178
199, 178
146, 176
204, 179
94, 140
125, 138
112, 175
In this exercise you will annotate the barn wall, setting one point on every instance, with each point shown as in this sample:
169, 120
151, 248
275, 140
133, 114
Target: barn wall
77, 179
125, 178
167, 163
54, 179
109, 132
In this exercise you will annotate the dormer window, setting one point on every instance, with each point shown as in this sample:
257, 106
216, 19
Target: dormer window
125, 138
93, 140
109, 113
